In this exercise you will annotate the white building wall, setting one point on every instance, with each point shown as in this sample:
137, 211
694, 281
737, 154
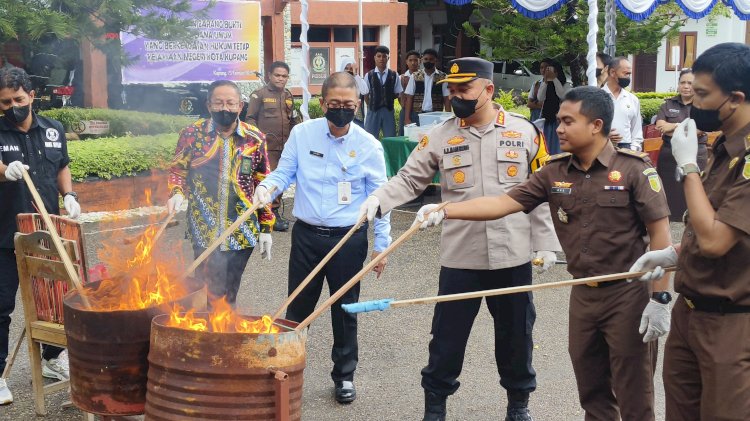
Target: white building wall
423, 25
728, 29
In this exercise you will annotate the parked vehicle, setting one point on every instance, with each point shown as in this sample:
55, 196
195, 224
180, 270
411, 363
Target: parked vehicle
51, 80
517, 75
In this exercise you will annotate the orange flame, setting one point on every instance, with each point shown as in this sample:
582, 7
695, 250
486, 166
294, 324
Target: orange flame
222, 319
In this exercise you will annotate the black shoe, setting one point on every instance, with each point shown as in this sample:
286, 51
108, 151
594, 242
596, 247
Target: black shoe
518, 413
434, 407
345, 392
281, 224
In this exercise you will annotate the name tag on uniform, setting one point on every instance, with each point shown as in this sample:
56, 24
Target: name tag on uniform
345, 193
561, 190
318, 154
246, 167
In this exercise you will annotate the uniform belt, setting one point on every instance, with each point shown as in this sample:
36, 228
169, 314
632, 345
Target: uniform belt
715, 305
604, 284
329, 231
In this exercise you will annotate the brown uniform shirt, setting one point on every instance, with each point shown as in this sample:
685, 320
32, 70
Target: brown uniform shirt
270, 110
674, 111
473, 163
727, 184
599, 214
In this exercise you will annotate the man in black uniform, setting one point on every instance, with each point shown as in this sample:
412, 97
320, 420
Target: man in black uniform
37, 144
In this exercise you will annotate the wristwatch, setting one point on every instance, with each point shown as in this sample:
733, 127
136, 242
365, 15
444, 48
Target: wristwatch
71, 193
686, 169
662, 297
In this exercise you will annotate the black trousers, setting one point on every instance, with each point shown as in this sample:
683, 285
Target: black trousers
8, 290
514, 317
222, 272
308, 249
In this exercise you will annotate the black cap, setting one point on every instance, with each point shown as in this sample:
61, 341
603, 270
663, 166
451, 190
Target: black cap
462, 70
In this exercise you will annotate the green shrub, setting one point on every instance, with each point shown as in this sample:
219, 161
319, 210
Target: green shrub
120, 156
649, 108
121, 123
523, 110
654, 95
524, 97
505, 99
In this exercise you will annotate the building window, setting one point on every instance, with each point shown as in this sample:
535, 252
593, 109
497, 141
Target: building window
344, 34
687, 42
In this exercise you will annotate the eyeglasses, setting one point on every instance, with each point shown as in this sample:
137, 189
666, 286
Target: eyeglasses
218, 105
350, 105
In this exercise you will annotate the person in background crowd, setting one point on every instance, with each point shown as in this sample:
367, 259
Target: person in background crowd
674, 111
478, 256
271, 109
423, 94
533, 103
335, 164
602, 68
706, 372
383, 87
627, 126
613, 364
218, 164
550, 94
37, 144
349, 66
412, 66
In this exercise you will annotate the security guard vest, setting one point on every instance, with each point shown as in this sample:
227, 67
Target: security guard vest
436, 94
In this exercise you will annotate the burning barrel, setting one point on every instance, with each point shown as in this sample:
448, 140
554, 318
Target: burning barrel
108, 350
199, 372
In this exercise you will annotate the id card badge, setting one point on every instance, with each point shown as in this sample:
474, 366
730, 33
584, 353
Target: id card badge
345, 193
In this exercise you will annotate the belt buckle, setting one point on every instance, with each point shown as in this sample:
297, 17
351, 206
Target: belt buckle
592, 284
324, 231
689, 303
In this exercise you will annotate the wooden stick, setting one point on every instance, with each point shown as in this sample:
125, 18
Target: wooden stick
163, 227
523, 288
220, 239
72, 274
361, 274
317, 268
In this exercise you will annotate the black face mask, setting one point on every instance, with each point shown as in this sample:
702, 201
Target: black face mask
708, 120
17, 115
224, 118
624, 82
340, 117
598, 73
428, 65
465, 108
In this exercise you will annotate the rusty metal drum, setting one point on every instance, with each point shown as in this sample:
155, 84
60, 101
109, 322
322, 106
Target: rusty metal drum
200, 375
108, 353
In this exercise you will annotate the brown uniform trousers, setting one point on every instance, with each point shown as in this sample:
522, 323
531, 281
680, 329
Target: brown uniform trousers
600, 217
707, 354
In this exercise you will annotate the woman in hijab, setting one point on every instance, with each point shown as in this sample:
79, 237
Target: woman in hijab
348, 65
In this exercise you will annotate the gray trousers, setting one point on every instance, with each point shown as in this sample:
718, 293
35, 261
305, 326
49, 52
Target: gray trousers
381, 118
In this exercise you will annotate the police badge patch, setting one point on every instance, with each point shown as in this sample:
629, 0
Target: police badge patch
654, 182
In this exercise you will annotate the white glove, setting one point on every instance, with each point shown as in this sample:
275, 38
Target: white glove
654, 321
72, 206
433, 219
654, 262
369, 208
265, 242
14, 171
548, 260
262, 196
174, 202
685, 143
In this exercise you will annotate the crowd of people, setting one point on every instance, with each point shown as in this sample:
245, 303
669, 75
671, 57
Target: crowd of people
597, 199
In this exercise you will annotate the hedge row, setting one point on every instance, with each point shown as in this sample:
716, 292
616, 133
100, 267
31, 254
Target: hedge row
121, 122
120, 156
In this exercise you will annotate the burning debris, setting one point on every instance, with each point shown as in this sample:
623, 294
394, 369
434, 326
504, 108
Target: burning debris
222, 319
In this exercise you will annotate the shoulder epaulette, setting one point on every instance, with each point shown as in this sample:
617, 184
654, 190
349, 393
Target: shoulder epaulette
634, 154
558, 156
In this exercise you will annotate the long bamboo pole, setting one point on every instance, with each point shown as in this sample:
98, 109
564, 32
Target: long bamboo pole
317, 268
56, 241
361, 274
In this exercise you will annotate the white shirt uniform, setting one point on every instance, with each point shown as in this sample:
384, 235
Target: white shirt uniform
627, 120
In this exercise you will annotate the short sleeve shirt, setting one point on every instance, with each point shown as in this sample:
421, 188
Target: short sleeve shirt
675, 111
727, 184
600, 215
44, 149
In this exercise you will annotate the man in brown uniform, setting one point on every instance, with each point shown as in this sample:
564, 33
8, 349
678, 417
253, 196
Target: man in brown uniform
603, 201
707, 355
270, 109
485, 149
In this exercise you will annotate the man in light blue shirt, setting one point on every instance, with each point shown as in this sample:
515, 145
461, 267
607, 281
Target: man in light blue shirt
336, 165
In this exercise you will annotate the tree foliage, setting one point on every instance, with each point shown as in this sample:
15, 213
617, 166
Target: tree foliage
511, 35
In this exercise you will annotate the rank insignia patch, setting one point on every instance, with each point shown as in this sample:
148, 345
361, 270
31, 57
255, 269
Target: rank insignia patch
456, 140
511, 154
563, 184
423, 143
614, 176
511, 134
733, 162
